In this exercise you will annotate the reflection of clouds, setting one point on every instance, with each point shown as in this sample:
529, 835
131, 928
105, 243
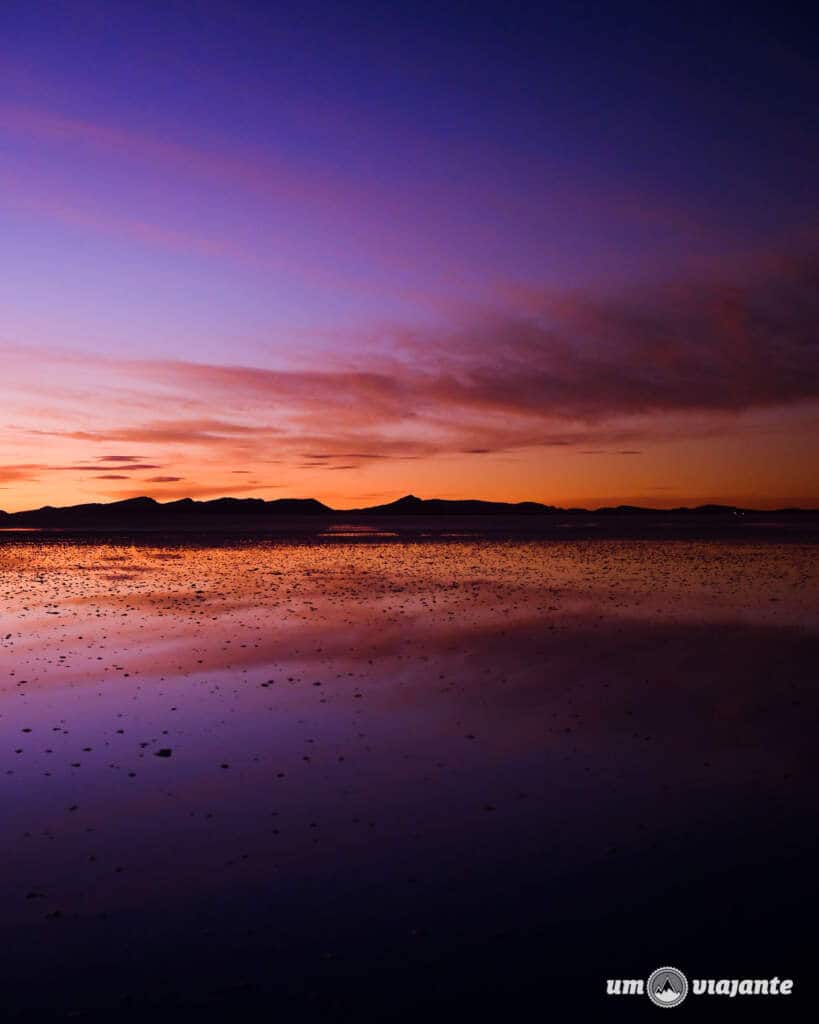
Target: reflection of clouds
580, 643
535, 703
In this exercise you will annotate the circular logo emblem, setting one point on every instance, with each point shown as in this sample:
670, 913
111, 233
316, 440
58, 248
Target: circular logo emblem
667, 986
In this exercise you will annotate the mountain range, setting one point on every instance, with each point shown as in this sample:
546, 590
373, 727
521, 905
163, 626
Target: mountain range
145, 512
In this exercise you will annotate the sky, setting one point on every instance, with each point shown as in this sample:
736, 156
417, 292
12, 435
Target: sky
563, 252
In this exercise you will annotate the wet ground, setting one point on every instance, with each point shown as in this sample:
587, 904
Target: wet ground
357, 778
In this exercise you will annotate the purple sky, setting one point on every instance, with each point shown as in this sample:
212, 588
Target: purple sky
408, 231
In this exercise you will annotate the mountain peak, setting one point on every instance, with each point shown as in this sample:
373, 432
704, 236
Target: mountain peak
141, 502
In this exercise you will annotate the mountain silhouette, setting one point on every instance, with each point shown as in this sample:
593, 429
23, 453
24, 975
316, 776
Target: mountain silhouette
410, 505
144, 513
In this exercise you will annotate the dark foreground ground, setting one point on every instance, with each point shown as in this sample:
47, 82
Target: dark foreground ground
371, 778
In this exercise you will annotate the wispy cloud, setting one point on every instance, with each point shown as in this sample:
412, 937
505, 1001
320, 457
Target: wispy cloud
588, 359
586, 374
216, 490
23, 471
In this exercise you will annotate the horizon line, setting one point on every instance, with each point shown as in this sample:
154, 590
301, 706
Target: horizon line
409, 498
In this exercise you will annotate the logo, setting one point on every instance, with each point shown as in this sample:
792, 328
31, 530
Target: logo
667, 986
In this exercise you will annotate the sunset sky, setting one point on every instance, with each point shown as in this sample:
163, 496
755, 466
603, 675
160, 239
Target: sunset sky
565, 252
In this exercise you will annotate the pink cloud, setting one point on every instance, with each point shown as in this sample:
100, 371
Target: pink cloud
588, 373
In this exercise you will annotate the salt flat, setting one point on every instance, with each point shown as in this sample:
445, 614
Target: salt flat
325, 772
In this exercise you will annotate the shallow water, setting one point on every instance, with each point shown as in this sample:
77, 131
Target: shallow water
325, 773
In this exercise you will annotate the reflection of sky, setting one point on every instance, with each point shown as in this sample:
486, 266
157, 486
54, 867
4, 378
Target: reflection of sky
498, 730
340, 682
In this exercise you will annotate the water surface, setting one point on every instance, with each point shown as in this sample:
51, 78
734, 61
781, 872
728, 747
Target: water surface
367, 776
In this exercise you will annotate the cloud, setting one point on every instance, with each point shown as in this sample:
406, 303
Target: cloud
598, 373
112, 476
222, 490
269, 187
342, 455
721, 348
545, 378
186, 431
18, 472
164, 479
83, 467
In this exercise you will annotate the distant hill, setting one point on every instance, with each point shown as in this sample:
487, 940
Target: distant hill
410, 505
148, 511
225, 513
